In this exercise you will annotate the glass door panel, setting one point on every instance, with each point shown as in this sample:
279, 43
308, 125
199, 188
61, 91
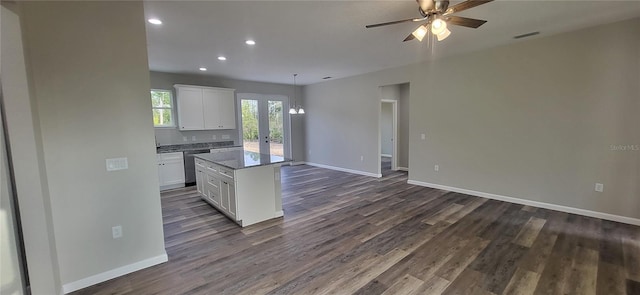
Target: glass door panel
276, 127
265, 123
250, 125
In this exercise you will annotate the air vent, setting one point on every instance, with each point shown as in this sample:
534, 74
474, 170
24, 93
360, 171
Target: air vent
326, 78
526, 35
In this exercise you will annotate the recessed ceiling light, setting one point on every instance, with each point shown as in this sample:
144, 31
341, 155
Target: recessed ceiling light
203, 69
155, 21
222, 58
250, 42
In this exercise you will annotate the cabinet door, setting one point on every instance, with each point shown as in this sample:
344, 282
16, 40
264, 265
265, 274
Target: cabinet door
160, 178
224, 195
200, 181
173, 171
211, 108
232, 201
227, 110
213, 190
190, 115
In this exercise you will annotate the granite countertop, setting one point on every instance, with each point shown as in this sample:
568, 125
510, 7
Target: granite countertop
194, 146
240, 159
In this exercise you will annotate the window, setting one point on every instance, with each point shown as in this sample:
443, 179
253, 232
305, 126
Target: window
162, 105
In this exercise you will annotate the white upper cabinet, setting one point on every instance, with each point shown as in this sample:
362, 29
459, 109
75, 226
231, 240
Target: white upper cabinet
205, 108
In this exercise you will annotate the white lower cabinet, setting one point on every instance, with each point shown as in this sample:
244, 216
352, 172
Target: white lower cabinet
170, 170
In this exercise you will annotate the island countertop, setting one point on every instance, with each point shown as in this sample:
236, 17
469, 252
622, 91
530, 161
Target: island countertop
240, 159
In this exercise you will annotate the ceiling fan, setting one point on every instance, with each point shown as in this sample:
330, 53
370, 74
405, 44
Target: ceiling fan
436, 14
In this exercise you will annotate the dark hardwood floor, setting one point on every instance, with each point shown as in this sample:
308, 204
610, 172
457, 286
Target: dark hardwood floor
349, 234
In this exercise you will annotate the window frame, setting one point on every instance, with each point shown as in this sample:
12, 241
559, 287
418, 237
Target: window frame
171, 108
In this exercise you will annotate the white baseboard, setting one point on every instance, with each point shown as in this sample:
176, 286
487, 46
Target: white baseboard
344, 169
402, 168
114, 273
296, 163
171, 186
385, 155
279, 213
601, 215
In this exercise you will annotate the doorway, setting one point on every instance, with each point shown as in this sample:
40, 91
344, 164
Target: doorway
393, 128
265, 125
388, 135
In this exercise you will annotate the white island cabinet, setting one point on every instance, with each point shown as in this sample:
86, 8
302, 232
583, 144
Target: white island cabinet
245, 186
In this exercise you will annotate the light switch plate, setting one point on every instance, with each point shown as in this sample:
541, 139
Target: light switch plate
117, 164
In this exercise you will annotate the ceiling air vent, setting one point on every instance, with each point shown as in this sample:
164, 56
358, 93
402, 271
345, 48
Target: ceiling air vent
326, 78
526, 35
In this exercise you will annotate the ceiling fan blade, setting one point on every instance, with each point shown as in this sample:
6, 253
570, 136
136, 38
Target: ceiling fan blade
465, 5
409, 38
465, 22
394, 22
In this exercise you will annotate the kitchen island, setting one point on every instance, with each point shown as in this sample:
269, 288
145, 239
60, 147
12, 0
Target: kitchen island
243, 185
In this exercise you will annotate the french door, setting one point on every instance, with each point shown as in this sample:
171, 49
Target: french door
265, 123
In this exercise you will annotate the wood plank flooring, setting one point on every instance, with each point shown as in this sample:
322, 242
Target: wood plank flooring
349, 234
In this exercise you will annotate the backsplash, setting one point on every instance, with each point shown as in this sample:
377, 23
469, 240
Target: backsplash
172, 136
193, 146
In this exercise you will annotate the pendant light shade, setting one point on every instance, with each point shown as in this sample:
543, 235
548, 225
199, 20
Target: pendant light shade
295, 109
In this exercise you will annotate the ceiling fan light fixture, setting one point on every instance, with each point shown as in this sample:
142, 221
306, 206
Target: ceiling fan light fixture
443, 35
292, 111
301, 111
420, 32
438, 26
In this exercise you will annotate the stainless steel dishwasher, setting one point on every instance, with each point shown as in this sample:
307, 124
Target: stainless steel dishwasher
190, 166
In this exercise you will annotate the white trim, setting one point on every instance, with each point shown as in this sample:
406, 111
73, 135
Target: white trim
403, 168
296, 163
114, 273
601, 215
385, 155
344, 169
171, 186
279, 213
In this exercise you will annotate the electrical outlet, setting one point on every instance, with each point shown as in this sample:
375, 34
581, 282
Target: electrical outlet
193, 138
436, 168
213, 137
184, 138
116, 231
226, 136
361, 158
423, 136
599, 187
309, 151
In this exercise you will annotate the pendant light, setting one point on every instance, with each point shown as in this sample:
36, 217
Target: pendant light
295, 109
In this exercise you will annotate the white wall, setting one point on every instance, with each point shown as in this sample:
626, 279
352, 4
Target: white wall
23, 133
90, 79
533, 120
166, 81
11, 280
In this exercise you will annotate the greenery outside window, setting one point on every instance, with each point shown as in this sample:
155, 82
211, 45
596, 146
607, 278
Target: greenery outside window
162, 105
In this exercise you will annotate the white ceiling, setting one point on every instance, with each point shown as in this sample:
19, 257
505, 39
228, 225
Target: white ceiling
328, 38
